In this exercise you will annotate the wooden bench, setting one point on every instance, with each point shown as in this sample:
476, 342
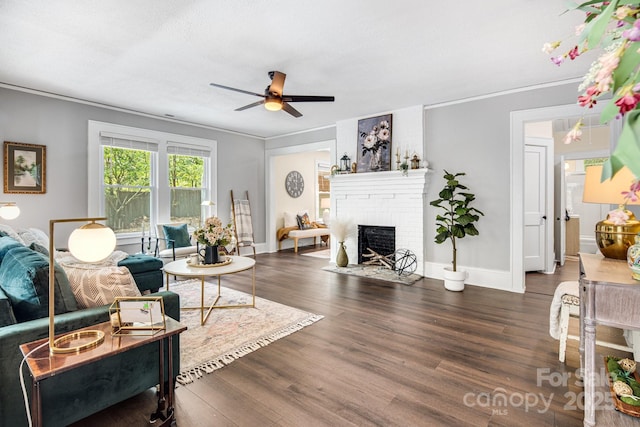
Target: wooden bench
304, 234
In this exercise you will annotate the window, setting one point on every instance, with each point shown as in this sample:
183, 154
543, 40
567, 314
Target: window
323, 191
139, 178
127, 188
187, 182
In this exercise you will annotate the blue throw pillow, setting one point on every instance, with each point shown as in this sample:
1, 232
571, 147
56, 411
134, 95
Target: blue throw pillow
24, 277
179, 234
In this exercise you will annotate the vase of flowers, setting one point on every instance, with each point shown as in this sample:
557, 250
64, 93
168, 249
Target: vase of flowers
212, 235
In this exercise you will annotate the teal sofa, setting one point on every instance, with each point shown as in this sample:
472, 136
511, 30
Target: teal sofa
71, 396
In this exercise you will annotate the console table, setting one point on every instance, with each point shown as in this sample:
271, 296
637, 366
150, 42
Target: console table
609, 296
43, 365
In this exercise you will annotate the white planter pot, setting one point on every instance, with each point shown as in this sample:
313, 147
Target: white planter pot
454, 280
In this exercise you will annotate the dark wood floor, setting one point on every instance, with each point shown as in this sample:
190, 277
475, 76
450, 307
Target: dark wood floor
387, 355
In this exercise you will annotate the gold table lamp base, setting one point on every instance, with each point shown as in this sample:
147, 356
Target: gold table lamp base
86, 339
614, 240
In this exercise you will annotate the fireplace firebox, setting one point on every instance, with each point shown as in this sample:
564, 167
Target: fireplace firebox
381, 239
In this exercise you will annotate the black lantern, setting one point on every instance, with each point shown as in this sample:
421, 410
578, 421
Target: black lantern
345, 163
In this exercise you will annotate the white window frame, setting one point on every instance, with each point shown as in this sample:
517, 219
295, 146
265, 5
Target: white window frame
160, 205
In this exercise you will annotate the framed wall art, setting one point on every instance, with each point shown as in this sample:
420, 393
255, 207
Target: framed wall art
24, 168
374, 144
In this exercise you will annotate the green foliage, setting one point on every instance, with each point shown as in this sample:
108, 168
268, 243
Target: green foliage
186, 171
458, 218
127, 167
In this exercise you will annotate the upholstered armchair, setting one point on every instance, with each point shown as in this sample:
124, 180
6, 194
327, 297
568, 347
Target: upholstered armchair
174, 241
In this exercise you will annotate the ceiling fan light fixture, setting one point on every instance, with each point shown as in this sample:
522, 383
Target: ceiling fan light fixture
273, 104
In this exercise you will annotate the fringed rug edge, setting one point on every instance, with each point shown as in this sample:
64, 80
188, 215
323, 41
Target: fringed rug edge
190, 375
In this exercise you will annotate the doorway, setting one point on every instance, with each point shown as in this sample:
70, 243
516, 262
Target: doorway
274, 187
538, 205
519, 120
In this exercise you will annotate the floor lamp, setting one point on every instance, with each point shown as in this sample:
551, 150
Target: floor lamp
612, 238
92, 242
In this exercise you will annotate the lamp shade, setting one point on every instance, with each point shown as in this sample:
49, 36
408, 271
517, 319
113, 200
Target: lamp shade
9, 210
325, 203
612, 236
609, 191
92, 242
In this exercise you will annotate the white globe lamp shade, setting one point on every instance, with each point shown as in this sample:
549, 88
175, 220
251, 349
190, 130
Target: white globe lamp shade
9, 211
92, 242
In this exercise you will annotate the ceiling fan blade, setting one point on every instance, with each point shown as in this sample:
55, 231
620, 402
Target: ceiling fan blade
277, 82
289, 109
255, 104
237, 90
307, 98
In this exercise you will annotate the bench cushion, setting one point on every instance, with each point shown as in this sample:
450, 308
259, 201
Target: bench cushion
311, 232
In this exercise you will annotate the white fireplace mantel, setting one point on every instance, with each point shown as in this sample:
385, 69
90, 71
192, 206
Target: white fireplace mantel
383, 199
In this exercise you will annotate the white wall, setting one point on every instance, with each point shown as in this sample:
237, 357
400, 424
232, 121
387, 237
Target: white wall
305, 163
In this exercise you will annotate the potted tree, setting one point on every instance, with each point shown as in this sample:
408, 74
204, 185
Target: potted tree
455, 222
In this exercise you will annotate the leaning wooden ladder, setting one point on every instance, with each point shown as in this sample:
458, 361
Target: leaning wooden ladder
242, 226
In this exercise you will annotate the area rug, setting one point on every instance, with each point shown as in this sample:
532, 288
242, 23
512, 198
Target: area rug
325, 253
229, 334
374, 272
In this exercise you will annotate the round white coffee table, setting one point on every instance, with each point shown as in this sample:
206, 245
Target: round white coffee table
238, 263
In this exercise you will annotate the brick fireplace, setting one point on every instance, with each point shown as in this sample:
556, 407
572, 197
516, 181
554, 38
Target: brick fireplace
387, 199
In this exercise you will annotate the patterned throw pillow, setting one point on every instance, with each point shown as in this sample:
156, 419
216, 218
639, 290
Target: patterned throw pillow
304, 223
94, 287
179, 234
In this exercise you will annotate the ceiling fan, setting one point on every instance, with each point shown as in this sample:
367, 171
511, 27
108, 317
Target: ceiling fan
274, 99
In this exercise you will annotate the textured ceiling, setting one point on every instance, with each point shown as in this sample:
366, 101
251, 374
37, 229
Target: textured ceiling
159, 56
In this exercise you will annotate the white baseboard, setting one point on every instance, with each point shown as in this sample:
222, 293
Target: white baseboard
495, 279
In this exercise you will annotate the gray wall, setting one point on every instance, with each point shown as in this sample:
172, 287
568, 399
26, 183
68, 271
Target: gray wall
474, 137
62, 127
318, 135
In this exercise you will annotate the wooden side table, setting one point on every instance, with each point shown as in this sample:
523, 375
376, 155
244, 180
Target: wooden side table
609, 296
43, 365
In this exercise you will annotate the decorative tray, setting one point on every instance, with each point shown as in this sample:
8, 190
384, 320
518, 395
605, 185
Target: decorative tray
620, 405
219, 264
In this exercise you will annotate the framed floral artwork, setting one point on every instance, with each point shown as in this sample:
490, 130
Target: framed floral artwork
374, 144
24, 168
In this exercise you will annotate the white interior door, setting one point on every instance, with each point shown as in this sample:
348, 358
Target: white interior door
535, 207
560, 210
